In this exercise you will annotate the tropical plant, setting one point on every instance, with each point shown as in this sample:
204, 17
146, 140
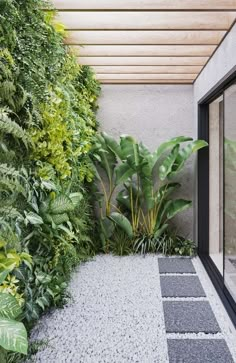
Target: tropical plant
145, 206
13, 335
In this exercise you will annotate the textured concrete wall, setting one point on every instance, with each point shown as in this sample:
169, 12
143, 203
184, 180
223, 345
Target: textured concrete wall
152, 114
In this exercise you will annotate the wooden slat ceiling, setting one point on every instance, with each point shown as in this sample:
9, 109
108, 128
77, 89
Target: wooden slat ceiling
145, 41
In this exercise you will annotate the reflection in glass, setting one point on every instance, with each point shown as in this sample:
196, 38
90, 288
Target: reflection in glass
230, 189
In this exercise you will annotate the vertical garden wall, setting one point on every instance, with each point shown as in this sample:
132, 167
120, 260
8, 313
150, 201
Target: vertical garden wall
47, 129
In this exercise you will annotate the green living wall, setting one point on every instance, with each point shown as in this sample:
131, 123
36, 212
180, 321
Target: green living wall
47, 129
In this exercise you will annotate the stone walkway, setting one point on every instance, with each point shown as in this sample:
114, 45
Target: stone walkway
136, 309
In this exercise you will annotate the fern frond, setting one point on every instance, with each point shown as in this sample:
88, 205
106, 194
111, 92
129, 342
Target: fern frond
8, 126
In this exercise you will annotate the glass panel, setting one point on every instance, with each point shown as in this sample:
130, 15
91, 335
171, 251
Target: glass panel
230, 189
215, 174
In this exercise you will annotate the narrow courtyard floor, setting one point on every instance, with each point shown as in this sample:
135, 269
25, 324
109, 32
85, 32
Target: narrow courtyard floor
138, 309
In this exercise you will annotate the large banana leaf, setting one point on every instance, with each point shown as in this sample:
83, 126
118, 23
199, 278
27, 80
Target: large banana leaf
184, 154
112, 144
167, 164
123, 172
107, 158
166, 190
124, 199
13, 336
130, 152
122, 222
9, 307
168, 145
177, 206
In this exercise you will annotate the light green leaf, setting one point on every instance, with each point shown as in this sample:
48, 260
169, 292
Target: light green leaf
76, 198
9, 306
33, 218
13, 336
61, 204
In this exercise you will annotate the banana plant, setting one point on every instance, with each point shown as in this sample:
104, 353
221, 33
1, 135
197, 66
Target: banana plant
13, 335
144, 205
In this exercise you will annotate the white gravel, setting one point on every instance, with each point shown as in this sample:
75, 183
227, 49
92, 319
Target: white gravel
116, 315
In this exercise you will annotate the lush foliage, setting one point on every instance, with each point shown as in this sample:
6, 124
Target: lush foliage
145, 181
47, 131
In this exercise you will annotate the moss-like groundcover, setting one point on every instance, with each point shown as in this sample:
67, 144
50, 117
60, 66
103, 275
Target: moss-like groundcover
47, 129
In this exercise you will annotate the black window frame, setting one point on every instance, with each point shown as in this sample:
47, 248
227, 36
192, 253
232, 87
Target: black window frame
203, 193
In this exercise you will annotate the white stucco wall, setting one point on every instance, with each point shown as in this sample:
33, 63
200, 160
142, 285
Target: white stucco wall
152, 114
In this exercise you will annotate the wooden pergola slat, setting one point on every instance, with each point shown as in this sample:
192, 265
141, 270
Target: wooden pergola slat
147, 76
156, 37
147, 69
146, 20
146, 81
144, 50
143, 61
145, 4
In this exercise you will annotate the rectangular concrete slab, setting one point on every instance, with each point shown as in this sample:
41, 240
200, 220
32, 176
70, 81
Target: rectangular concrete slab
181, 286
198, 351
189, 317
175, 265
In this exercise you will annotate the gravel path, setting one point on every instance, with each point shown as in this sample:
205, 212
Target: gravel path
116, 315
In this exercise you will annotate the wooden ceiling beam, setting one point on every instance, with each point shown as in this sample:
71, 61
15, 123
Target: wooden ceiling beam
91, 37
143, 61
146, 69
143, 50
146, 4
79, 20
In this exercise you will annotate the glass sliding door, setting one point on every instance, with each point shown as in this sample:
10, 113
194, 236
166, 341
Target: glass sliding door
216, 187
230, 189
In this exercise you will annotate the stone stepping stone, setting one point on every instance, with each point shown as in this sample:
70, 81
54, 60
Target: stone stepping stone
175, 265
198, 351
189, 317
181, 286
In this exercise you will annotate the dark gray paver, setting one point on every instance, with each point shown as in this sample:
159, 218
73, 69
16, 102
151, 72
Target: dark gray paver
198, 351
175, 265
181, 286
189, 317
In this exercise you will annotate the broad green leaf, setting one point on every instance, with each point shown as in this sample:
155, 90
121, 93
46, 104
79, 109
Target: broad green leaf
61, 204
166, 167
112, 144
9, 306
123, 172
177, 206
185, 153
108, 158
122, 222
167, 189
160, 231
33, 218
168, 145
13, 336
130, 151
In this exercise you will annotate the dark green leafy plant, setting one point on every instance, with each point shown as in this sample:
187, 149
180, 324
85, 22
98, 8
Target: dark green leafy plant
145, 206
